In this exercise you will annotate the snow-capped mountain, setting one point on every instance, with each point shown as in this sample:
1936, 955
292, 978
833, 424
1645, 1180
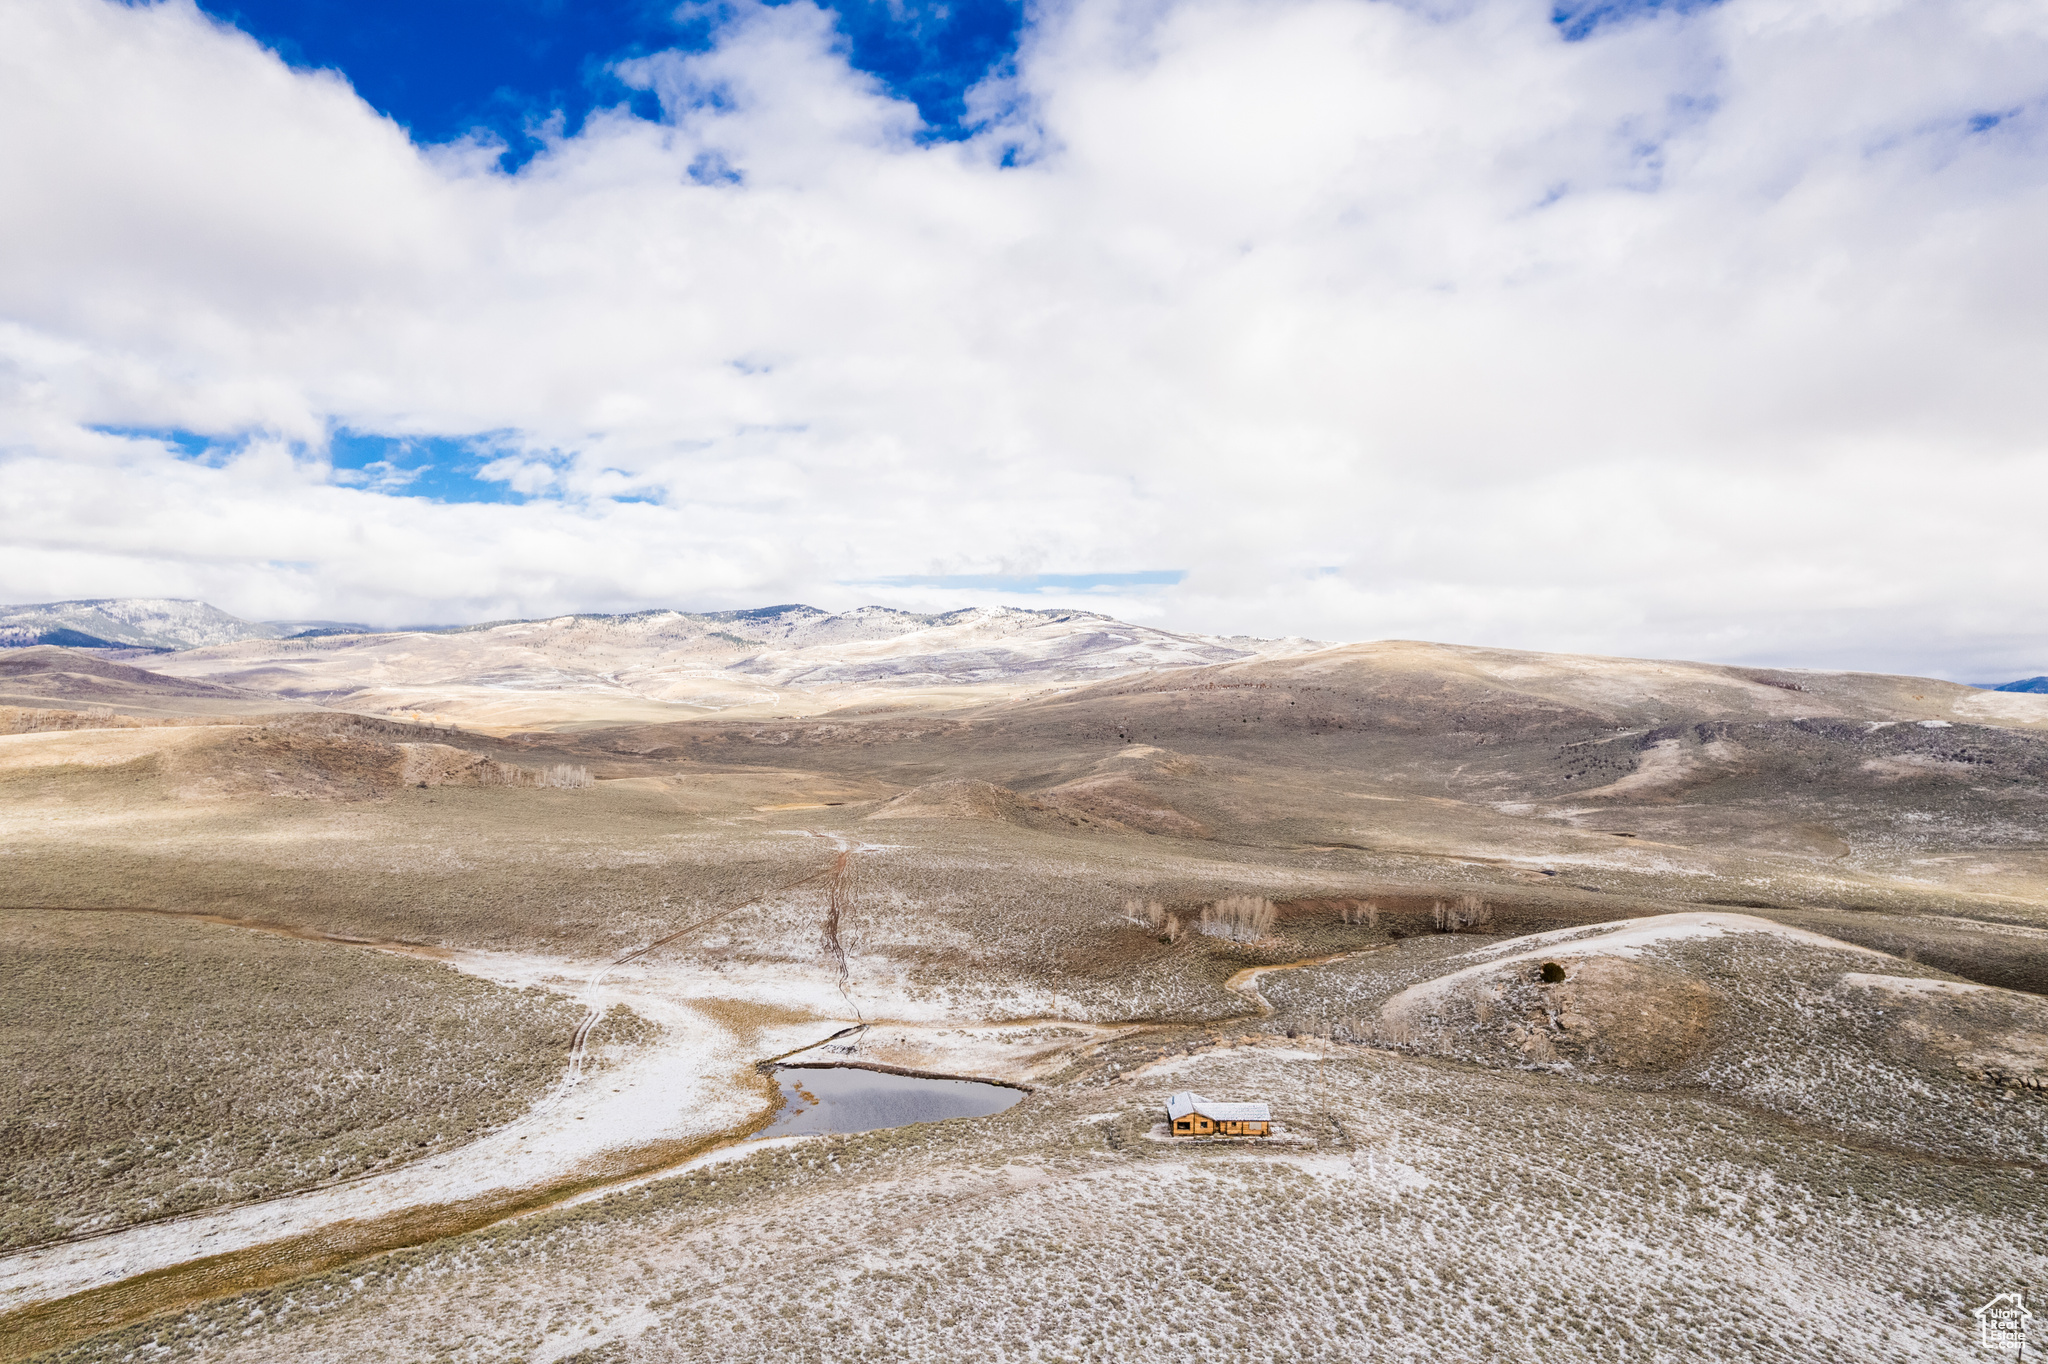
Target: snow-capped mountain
705, 662
780, 657
129, 623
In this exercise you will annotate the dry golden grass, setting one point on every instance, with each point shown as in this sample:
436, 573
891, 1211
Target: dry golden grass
748, 1019
159, 1066
1043, 861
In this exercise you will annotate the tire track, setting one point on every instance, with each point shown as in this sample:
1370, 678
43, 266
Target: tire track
1245, 983
579, 1041
573, 1067
349, 1234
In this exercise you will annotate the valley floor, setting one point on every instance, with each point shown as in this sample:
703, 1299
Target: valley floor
1547, 1137
1410, 1209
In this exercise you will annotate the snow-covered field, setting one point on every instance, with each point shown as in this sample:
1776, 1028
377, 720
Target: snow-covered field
696, 1084
1414, 1210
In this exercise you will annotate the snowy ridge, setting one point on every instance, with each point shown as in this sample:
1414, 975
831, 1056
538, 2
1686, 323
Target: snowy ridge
717, 660
127, 622
1621, 938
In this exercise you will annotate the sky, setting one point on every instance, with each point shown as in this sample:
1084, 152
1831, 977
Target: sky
1702, 330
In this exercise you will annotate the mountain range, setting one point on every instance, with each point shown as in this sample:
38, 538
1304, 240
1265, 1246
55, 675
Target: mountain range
790, 660
639, 667
156, 623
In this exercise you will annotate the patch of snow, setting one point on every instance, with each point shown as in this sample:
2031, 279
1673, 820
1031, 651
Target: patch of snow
1622, 938
698, 1080
1390, 1174
2004, 707
1627, 937
1914, 985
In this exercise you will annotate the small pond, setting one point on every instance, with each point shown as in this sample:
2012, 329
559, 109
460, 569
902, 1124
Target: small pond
848, 1099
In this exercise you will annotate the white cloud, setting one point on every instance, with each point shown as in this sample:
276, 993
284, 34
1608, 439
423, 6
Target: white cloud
1714, 335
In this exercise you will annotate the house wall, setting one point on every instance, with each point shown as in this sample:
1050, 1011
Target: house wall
1195, 1125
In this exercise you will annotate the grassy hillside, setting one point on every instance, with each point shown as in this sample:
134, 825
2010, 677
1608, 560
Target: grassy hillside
160, 1066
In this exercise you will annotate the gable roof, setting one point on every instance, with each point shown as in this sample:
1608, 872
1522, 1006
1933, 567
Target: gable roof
1187, 1101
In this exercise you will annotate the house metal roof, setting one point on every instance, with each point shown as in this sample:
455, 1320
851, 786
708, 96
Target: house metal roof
1187, 1101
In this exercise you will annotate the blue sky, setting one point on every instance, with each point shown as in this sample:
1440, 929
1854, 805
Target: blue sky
437, 468
444, 68
1673, 329
521, 71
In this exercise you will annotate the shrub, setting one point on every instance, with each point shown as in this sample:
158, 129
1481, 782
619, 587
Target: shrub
158, 1066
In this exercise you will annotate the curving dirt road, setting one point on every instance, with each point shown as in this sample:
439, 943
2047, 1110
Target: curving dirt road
696, 1089
1246, 982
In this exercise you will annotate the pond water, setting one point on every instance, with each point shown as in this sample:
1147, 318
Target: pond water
848, 1099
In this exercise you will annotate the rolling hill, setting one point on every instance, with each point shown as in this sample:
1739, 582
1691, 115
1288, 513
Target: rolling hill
661, 665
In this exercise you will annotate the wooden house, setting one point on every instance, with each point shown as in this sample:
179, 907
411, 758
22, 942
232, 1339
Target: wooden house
1191, 1115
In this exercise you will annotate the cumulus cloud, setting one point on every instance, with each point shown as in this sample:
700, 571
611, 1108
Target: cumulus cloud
1711, 334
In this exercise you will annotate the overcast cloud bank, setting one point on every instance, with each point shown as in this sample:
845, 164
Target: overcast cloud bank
1714, 334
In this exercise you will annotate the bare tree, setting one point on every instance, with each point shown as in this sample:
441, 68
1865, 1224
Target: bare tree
562, 776
1468, 911
1240, 918
1153, 915
1366, 912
